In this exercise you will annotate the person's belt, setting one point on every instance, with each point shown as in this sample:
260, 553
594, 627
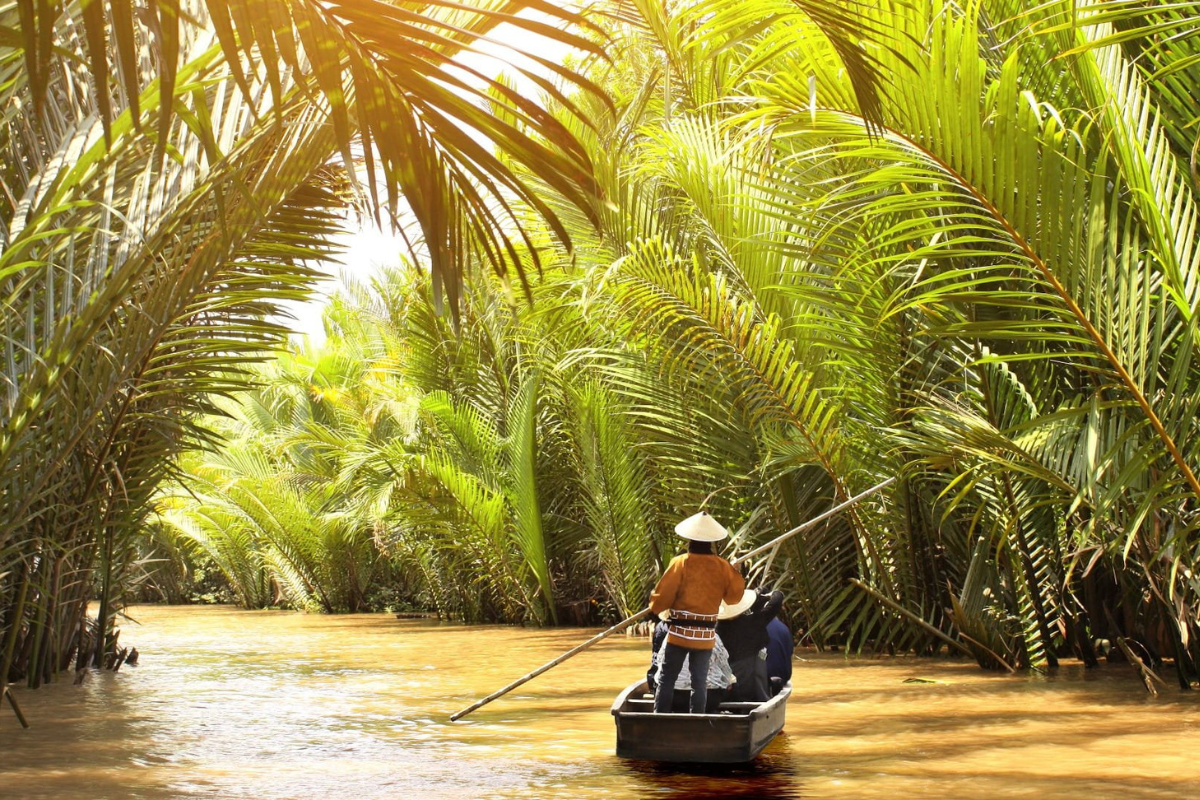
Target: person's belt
693, 623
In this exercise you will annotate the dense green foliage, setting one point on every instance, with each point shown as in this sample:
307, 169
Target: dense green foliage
990, 294
170, 177
954, 243
498, 484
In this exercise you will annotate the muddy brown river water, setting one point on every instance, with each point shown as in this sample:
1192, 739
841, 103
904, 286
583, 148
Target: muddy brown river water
265, 704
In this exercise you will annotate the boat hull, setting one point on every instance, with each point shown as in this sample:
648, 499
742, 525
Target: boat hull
736, 734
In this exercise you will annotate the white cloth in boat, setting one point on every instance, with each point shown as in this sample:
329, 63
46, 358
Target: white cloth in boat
720, 676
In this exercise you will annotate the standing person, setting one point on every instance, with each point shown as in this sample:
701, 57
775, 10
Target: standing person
743, 627
720, 676
691, 590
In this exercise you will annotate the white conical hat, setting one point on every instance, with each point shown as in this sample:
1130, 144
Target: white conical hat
701, 527
729, 612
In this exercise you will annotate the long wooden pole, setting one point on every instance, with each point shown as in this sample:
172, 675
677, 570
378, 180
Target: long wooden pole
7, 694
625, 623
17, 617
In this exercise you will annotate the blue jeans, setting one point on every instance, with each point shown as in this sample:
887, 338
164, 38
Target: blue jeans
673, 656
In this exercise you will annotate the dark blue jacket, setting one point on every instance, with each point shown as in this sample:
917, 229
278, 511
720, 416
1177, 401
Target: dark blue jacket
779, 650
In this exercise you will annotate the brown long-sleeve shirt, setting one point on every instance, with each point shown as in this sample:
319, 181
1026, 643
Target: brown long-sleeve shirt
696, 583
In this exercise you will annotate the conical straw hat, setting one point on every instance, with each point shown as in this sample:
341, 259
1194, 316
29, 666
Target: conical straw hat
729, 612
701, 527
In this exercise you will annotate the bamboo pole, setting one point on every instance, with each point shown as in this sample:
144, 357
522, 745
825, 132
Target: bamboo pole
911, 617
803, 526
625, 623
6, 692
574, 651
17, 613
15, 622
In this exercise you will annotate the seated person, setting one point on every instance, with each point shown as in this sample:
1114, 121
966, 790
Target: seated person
742, 626
720, 676
656, 642
779, 655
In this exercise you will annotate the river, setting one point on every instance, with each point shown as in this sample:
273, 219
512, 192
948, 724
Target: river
267, 704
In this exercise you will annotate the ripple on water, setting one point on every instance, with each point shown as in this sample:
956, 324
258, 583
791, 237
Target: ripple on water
230, 703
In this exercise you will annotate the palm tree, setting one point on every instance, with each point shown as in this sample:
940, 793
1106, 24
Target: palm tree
989, 293
518, 466
169, 180
1025, 235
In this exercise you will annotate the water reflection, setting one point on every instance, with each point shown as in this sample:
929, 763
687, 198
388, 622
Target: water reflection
229, 703
772, 776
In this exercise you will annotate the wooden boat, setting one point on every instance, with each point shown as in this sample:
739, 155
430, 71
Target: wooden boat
737, 733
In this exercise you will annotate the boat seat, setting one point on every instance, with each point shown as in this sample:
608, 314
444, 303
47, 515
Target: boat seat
646, 705
744, 707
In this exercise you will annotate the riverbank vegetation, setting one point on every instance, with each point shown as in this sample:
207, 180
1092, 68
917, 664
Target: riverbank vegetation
147, 243
826, 246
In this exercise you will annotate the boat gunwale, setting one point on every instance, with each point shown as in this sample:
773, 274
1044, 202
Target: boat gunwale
750, 732
761, 709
